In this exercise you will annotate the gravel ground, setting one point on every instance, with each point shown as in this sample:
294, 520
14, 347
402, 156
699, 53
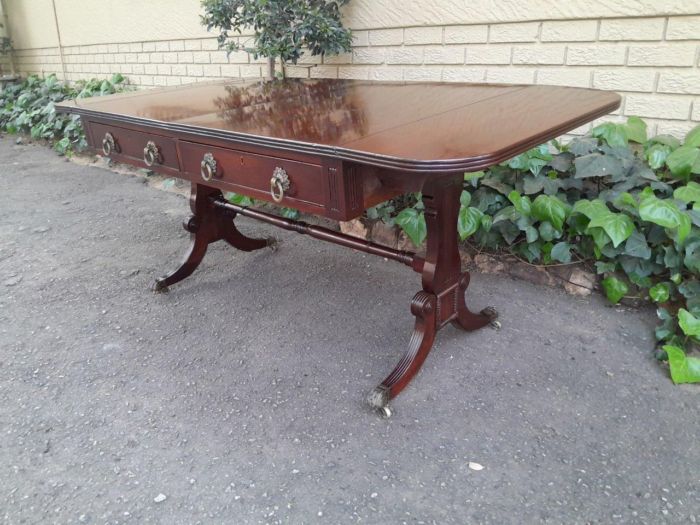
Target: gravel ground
238, 396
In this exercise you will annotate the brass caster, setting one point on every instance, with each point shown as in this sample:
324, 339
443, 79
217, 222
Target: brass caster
384, 412
159, 286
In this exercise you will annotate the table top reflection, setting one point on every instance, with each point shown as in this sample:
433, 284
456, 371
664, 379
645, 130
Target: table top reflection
410, 125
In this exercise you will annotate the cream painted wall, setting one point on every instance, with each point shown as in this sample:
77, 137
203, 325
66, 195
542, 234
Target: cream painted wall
31, 23
86, 22
373, 14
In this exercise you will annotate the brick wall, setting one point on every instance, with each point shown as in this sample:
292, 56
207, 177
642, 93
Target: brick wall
654, 62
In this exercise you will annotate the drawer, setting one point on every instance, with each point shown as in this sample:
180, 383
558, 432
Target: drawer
129, 145
250, 174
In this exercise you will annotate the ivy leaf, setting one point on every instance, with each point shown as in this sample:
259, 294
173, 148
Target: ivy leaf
684, 369
618, 226
615, 289
522, 203
473, 176
667, 140
597, 165
636, 246
412, 222
591, 209
561, 252
660, 292
583, 146
693, 137
237, 198
605, 267
688, 323
550, 208
657, 211
613, 134
468, 221
636, 130
531, 234
682, 161
688, 193
465, 198
656, 155
547, 231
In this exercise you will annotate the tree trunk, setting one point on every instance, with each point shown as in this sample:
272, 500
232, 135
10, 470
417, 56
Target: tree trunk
271, 67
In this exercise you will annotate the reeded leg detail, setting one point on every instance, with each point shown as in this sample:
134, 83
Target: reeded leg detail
466, 319
423, 307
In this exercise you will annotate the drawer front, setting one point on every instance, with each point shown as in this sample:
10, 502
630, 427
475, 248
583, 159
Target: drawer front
130, 144
250, 174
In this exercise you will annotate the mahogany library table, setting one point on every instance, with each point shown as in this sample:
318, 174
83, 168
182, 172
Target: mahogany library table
335, 148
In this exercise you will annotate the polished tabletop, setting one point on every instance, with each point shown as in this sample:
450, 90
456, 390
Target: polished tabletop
402, 125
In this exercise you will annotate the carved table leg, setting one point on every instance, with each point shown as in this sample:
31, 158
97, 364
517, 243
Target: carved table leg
207, 225
442, 299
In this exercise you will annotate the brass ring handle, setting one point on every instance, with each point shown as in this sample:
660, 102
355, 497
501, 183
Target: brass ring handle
151, 154
207, 168
108, 144
279, 183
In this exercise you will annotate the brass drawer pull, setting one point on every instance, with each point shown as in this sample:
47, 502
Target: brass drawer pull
279, 183
151, 154
109, 145
207, 168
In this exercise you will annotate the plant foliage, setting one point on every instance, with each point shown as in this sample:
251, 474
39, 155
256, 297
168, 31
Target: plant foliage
281, 28
624, 203
29, 107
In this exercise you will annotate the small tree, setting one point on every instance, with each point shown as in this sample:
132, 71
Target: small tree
282, 29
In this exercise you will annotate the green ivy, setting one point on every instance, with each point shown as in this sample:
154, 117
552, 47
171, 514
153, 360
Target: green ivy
29, 108
626, 204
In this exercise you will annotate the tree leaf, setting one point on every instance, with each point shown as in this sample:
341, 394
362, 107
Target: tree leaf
660, 292
688, 323
615, 289
684, 369
550, 208
412, 222
597, 165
